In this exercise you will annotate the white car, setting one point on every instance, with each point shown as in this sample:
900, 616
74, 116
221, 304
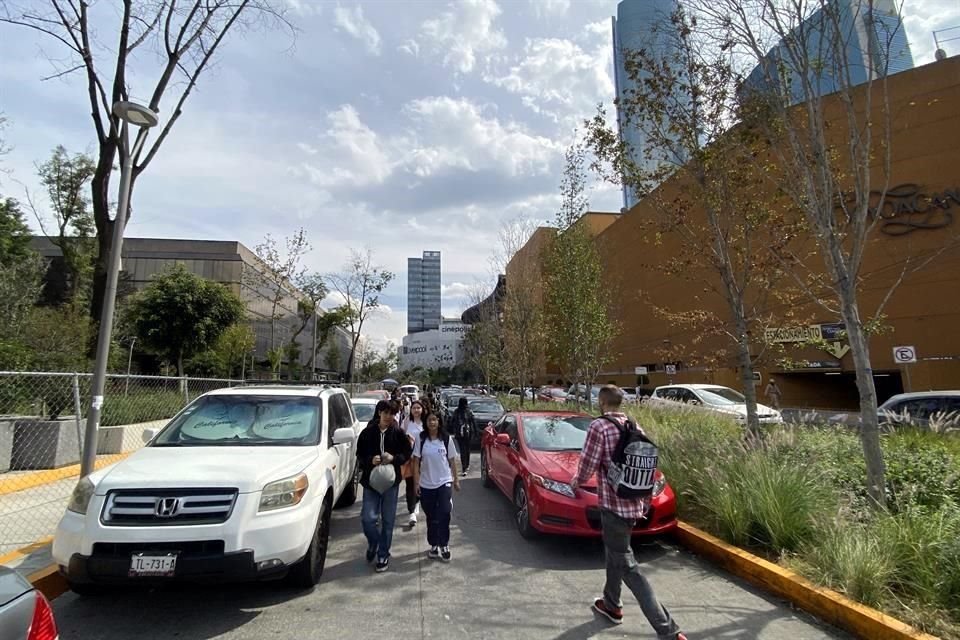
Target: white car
412, 391
363, 409
239, 485
711, 397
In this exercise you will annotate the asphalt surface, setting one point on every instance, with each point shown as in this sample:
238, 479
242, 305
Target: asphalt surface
498, 586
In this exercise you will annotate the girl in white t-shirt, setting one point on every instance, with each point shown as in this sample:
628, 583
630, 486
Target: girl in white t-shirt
413, 427
435, 474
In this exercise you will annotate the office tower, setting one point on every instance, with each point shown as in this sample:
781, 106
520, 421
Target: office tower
423, 292
640, 24
873, 42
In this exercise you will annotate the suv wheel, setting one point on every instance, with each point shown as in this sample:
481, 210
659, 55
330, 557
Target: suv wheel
307, 572
484, 470
349, 495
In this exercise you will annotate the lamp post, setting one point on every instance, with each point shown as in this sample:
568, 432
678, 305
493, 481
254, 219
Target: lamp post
143, 118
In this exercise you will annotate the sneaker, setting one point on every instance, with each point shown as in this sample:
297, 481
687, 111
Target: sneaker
464, 474
434, 553
371, 554
613, 615
383, 564
412, 520
445, 554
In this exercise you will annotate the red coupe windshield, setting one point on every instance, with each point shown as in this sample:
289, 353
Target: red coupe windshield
556, 433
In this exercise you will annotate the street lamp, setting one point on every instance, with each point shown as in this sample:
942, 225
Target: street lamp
129, 113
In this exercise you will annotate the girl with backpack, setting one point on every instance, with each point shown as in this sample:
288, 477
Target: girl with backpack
413, 427
435, 477
462, 426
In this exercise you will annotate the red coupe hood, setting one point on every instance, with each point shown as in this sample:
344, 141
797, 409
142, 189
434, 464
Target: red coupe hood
558, 465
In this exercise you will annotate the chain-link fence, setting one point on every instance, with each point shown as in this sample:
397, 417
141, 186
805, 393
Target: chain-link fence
42, 423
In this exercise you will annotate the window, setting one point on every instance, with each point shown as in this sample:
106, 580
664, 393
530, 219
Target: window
507, 425
340, 416
551, 433
512, 430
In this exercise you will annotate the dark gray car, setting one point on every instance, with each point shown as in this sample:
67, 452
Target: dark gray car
22, 607
485, 409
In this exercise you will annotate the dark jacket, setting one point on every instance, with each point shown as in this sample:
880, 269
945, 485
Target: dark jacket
395, 442
458, 419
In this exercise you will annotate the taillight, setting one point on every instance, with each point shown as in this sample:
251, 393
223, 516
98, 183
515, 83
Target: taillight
43, 626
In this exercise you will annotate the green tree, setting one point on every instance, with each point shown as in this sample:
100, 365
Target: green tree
233, 347
14, 233
334, 360
579, 330
66, 180
180, 314
21, 273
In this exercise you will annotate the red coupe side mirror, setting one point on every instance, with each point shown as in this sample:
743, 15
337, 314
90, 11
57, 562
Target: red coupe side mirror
503, 438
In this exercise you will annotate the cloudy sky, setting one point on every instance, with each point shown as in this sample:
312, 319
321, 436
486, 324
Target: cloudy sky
399, 126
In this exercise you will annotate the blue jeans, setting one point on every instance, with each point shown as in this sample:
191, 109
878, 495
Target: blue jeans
382, 506
437, 506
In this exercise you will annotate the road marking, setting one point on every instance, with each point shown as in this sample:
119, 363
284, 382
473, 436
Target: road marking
49, 476
25, 551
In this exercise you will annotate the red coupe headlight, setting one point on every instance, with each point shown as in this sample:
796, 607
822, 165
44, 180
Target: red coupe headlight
659, 484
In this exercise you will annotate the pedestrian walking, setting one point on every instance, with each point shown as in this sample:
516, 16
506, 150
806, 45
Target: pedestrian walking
773, 393
382, 449
462, 426
435, 475
413, 427
621, 506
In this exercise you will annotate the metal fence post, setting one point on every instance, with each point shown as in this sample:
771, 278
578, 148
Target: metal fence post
77, 410
186, 391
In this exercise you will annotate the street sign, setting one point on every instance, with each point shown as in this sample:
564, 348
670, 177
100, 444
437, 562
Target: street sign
640, 371
905, 355
671, 369
836, 349
757, 378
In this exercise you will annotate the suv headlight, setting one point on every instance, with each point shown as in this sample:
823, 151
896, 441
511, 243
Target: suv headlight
552, 485
81, 496
659, 484
284, 493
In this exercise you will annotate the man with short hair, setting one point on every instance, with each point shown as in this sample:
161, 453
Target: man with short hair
618, 516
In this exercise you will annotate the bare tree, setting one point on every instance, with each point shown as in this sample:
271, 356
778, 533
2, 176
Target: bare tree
180, 40
282, 269
483, 342
359, 284
722, 224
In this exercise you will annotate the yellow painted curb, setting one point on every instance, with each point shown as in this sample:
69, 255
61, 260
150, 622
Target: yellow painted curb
25, 551
39, 478
49, 581
828, 605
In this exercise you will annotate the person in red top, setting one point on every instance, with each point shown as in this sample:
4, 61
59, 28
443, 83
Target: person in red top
618, 516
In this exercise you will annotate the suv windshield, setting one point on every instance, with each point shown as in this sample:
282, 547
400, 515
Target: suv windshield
554, 433
721, 396
244, 420
364, 410
484, 406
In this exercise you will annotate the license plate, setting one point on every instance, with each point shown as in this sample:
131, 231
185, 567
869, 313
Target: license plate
142, 564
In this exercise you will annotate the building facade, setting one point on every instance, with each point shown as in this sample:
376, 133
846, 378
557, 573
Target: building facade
916, 243
239, 269
423, 292
871, 34
639, 24
435, 348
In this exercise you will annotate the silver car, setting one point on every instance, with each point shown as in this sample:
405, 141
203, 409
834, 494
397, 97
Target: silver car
25, 613
935, 410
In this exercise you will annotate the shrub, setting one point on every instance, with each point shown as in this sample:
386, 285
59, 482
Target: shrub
853, 562
923, 469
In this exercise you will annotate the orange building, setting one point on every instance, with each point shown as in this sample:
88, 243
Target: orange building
918, 229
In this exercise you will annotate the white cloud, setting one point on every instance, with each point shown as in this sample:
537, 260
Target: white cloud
353, 22
550, 7
361, 155
456, 290
464, 32
411, 47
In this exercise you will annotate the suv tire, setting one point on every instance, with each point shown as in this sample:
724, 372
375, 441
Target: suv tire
307, 572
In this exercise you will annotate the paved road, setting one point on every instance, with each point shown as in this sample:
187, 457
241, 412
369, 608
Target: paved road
498, 586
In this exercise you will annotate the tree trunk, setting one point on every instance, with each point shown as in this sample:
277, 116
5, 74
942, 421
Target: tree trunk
180, 363
869, 427
746, 378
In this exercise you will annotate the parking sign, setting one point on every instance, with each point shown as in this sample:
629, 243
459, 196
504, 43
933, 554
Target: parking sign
905, 355
671, 369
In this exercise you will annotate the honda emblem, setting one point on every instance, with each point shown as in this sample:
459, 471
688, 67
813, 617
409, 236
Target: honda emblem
167, 507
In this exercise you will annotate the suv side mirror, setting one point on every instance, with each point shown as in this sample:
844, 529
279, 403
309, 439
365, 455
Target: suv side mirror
502, 439
149, 434
343, 435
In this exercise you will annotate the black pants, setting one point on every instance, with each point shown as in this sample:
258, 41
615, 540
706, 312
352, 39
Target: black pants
437, 505
463, 444
412, 498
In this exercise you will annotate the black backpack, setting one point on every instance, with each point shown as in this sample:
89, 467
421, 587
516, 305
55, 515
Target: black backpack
633, 468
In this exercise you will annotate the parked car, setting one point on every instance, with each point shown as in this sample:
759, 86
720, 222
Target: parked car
239, 485
363, 410
580, 391
939, 410
516, 393
713, 398
25, 613
378, 394
485, 409
412, 391
532, 456
551, 394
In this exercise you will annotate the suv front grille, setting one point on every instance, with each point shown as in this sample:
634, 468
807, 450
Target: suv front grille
157, 508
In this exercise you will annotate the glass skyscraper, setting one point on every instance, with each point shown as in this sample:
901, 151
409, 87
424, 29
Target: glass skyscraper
640, 24
873, 41
423, 292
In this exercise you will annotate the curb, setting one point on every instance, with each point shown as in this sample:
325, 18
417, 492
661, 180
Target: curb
49, 582
33, 479
829, 606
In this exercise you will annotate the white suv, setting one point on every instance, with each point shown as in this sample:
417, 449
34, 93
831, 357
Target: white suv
238, 486
712, 398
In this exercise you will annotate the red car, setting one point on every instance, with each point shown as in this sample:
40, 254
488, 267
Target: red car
533, 455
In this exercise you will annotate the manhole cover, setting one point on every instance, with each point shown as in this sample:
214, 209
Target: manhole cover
499, 519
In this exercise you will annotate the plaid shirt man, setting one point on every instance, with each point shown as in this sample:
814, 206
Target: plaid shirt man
602, 439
